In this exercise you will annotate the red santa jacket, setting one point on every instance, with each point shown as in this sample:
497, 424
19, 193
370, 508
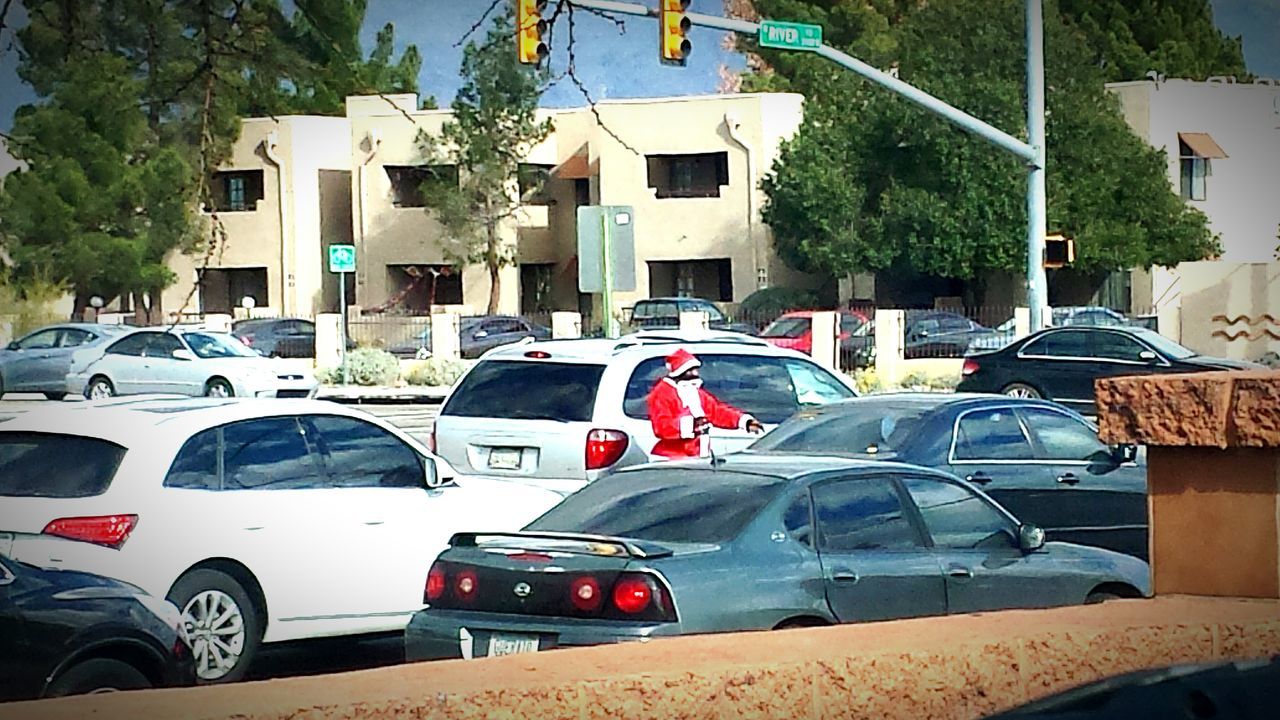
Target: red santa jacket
672, 419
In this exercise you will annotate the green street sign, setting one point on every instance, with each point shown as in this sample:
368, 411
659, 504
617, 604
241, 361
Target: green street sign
342, 258
790, 36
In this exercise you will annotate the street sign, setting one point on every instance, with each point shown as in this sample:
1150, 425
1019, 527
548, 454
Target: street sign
621, 222
342, 258
790, 36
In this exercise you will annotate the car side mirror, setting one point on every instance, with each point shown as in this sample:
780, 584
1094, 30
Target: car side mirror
6, 576
13, 346
1030, 537
1148, 356
183, 355
438, 474
1124, 453
480, 334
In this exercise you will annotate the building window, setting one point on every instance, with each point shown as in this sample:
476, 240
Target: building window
706, 279
534, 184
417, 288
410, 183
688, 176
237, 190
223, 289
1195, 151
535, 287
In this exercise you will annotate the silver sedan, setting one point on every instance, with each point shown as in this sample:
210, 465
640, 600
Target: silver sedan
39, 361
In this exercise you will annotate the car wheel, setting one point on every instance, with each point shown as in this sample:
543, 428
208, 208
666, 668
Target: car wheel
1021, 390
1096, 598
55, 396
222, 624
99, 388
218, 388
99, 675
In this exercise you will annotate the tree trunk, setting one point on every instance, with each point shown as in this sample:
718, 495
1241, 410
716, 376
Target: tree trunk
495, 282
139, 310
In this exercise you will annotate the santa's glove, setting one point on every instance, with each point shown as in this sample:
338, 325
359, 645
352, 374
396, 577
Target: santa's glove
754, 426
701, 426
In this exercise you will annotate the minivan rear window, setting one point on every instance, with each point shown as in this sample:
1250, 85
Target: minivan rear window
521, 390
56, 466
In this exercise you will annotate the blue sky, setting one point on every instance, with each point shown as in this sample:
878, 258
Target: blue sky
614, 65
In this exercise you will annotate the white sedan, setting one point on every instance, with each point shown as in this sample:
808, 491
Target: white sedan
184, 361
262, 520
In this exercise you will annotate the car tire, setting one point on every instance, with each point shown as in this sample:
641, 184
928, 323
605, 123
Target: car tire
219, 388
99, 675
1097, 598
55, 396
215, 607
1021, 390
99, 388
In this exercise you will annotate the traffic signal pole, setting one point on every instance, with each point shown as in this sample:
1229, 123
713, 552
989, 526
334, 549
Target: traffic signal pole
1032, 153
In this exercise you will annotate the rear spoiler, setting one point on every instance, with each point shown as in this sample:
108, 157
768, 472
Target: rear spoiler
594, 544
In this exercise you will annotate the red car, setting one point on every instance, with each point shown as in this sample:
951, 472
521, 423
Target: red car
794, 330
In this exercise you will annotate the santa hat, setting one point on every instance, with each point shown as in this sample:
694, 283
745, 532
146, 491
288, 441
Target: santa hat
680, 362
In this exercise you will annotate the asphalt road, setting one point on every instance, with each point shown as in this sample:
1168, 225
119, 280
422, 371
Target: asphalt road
311, 657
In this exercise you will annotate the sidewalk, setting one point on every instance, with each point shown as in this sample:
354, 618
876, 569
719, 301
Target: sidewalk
382, 394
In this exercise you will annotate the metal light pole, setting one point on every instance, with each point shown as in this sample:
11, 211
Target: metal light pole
1037, 220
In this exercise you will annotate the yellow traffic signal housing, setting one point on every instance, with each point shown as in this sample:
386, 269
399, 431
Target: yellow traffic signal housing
531, 27
1059, 251
674, 29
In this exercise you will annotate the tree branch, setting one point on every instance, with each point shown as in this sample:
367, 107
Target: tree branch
582, 88
479, 23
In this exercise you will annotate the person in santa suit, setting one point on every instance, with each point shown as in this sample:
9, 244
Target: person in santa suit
682, 413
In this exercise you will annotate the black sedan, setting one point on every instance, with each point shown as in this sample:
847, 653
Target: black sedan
69, 633
1041, 461
1061, 364
476, 336
749, 542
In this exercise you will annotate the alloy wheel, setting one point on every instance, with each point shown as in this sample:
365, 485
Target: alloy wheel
215, 627
100, 390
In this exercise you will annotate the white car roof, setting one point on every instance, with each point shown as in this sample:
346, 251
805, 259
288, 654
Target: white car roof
136, 420
641, 345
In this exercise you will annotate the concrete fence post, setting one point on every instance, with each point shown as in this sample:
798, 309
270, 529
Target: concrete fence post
566, 325
328, 340
218, 322
446, 329
824, 344
890, 345
1169, 322
1021, 322
696, 321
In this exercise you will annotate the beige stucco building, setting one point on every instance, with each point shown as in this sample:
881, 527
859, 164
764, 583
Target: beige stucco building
1222, 139
689, 166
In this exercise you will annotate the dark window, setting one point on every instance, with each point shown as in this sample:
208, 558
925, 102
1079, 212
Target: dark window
533, 180
664, 505
361, 454
56, 466
417, 288
1063, 437
1063, 344
991, 435
42, 340
761, 386
875, 428
663, 310
196, 467
268, 454
1194, 173
792, 327
798, 520
411, 183
161, 345
861, 515
131, 345
1115, 346
688, 176
222, 289
237, 190
959, 519
75, 338
527, 391
713, 312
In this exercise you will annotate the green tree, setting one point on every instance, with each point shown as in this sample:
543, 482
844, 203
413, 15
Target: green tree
493, 128
872, 182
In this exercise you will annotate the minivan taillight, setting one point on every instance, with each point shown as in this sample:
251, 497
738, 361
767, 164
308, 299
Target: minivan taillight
108, 530
969, 367
605, 447
431, 439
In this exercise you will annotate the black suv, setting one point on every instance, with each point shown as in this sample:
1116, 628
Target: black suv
664, 314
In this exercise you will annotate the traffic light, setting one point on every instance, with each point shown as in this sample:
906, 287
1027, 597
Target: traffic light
530, 47
674, 28
1059, 251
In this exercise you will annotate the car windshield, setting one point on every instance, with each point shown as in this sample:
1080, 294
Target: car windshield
527, 391
787, 327
860, 428
217, 345
1164, 345
664, 504
56, 466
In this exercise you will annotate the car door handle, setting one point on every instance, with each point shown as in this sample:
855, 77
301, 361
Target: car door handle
1068, 479
844, 576
959, 572
980, 478
375, 522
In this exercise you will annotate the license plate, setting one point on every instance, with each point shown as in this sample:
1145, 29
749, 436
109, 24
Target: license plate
504, 458
6, 543
511, 645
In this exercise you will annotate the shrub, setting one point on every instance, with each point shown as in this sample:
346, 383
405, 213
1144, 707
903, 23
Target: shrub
764, 305
435, 372
365, 366
28, 304
867, 381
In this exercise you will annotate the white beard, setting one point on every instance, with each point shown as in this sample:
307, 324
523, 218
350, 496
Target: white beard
687, 391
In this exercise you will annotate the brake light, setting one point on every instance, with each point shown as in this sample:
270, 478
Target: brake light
632, 595
969, 367
585, 594
605, 447
431, 439
247, 340
538, 354
466, 585
108, 530
436, 581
